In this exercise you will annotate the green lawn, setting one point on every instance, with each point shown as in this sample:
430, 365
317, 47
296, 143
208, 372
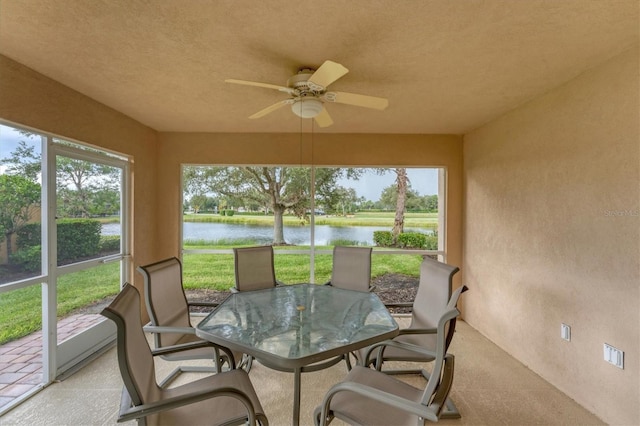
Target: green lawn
20, 310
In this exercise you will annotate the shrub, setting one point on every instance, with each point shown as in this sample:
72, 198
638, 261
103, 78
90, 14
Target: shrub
383, 238
78, 238
109, 243
412, 240
28, 258
431, 242
28, 235
230, 212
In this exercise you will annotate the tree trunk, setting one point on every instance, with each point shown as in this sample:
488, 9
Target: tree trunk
398, 223
278, 226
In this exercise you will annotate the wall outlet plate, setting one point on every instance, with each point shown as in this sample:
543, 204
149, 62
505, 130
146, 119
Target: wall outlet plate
565, 332
614, 356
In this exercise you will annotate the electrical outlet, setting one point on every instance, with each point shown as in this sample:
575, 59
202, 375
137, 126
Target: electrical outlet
614, 356
565, 332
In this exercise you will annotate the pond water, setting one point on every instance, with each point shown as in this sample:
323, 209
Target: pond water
299, 235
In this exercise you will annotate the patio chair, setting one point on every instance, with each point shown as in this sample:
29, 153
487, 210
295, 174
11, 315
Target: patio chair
351, 268
254, 268
433, 296
370, 397
170, 322
224, 398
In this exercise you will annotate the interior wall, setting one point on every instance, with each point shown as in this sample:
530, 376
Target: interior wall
33, 100
552, 235
294, 149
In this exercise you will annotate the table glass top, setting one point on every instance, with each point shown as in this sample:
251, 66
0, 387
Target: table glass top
298, 321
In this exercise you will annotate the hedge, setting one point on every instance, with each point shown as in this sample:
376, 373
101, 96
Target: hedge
77, 238
406, 240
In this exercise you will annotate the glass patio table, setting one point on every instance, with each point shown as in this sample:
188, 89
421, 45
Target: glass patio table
298, 328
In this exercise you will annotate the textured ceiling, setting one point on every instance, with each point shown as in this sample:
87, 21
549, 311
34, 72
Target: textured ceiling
445, 66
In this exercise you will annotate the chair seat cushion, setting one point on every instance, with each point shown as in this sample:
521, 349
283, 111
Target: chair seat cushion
354, 408
219, 410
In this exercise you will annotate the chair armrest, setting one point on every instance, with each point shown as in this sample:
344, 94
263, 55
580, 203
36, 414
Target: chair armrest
129, 412
166, 350
419, 331
161, 329
377, 395
380, 346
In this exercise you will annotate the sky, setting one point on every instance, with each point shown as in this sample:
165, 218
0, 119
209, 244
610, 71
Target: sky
370, 185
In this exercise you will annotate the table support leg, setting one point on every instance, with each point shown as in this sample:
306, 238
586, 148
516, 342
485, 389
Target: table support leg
297, 372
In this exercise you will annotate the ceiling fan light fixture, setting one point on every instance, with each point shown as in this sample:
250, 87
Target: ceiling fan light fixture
307, 108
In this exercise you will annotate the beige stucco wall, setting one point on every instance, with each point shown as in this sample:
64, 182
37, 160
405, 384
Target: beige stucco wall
30, 99
552, 235
293, 149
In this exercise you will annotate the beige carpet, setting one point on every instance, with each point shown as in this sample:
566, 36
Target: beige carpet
489, 388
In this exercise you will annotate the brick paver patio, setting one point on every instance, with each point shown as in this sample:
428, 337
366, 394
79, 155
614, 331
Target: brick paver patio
21, 360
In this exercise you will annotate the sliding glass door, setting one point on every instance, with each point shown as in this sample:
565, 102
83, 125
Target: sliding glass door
88, 228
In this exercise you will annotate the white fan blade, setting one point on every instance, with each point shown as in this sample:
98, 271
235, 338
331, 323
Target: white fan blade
328, 72
357, 100
271, 108
257, 84
323, 119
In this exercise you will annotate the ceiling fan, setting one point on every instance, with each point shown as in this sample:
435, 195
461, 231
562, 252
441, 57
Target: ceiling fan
308, 93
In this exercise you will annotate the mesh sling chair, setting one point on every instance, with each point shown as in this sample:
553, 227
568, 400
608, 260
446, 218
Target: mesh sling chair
168, 311
254, 269
351, 268
432, 299
224, 398
370, 397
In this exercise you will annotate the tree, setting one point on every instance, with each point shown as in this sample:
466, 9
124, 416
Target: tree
84, 188
197, 203
19, 197
82, 179
284, 188
23, 161
398, 221
431, 203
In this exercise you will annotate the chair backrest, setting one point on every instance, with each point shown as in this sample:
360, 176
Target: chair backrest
254, 268
351, 268
434, 293
134, 355
165, 299
441, 378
